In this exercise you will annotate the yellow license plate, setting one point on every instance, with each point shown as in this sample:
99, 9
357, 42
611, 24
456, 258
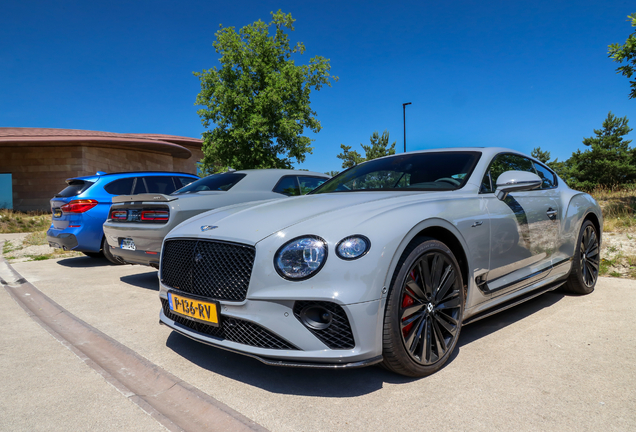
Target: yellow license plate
195, 309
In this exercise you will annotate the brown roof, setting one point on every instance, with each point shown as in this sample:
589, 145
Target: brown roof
171, 144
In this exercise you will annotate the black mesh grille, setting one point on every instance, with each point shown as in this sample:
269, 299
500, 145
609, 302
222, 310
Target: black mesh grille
338, 335
208, 268
232, 329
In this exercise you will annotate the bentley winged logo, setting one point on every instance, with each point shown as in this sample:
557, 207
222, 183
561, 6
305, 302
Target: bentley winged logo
208, 227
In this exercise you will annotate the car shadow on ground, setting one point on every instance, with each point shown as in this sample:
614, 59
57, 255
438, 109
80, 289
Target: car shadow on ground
84, 261
473, 332
331, 382
148, 280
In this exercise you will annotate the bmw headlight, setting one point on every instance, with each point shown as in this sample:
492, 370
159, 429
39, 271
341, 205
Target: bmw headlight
301, 257
353, 247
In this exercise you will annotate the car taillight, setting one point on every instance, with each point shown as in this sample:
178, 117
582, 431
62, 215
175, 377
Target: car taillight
119, 214
154, 215
78, 206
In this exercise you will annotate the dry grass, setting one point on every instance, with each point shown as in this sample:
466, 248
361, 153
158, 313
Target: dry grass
618, 253
18, 222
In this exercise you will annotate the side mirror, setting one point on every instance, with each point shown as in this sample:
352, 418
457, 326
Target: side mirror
514, 181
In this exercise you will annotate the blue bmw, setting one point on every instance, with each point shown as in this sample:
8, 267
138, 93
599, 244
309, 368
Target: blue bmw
80, 209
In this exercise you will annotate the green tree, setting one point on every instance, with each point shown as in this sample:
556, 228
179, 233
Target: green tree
540, 155
609, 161
379, 147
626, 53
332, 173
258, 99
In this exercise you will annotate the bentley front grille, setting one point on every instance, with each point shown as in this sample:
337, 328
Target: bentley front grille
213, 269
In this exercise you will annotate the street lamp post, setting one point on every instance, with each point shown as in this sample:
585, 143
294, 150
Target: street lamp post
404, 120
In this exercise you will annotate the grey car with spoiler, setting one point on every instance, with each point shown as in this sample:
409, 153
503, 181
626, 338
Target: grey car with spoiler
137, 224
383, 263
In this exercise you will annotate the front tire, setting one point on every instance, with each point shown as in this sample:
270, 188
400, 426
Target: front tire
424, 311
585, 262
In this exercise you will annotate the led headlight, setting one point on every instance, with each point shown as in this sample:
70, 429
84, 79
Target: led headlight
352, 247
301, 257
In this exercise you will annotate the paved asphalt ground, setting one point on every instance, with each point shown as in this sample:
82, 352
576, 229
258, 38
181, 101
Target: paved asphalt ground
556, 363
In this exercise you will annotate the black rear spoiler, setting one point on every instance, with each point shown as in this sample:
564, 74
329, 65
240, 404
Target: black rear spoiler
144, 197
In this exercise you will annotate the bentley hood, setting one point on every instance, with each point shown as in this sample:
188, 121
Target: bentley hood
251, 222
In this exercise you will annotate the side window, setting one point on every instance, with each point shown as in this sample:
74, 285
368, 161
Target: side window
549, 179
183, 181
502, 163
159, 184
140, 186
120, 187
287, 185
307, 184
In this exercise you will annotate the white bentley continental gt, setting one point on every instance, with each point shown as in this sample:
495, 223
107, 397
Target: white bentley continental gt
383, 263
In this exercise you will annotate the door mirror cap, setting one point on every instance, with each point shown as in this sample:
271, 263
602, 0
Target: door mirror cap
516, 181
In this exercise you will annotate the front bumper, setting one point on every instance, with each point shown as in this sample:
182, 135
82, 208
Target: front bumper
270, 332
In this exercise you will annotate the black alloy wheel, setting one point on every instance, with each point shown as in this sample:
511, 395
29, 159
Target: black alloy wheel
585, 262
424, 312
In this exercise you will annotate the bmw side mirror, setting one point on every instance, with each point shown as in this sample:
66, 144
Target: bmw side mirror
516, 181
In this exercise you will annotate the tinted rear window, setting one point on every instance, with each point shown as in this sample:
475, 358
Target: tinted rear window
215, 182
159, 184
75, 187
120, 187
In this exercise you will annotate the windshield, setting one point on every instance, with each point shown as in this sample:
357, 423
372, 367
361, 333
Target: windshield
417, 171
214, 182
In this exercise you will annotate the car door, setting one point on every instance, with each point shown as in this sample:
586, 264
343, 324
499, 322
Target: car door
524, 227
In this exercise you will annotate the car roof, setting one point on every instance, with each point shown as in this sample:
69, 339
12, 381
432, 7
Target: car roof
96, 176
266, 179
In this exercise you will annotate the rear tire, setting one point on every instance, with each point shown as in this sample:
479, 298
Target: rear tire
585, 262
424, 311
109, 256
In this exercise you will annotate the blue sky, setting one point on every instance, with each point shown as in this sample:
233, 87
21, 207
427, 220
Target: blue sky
478, 73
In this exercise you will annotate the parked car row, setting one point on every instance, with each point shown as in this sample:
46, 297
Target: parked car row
383, 263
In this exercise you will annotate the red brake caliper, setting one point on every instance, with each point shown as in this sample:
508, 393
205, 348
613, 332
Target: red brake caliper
407, 301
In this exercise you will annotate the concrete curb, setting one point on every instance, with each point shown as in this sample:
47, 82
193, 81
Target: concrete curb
172, 402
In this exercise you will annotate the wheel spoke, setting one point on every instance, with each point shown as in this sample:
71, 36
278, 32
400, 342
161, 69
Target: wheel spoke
425, 351
415, 287
593, 251
593, 265
440, 342
436, 272
447, 326
414, 334
450, 304
447, 282
409, 312
424, 269
591, 240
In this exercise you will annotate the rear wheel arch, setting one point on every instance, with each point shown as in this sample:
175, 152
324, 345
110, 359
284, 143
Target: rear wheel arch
591, 216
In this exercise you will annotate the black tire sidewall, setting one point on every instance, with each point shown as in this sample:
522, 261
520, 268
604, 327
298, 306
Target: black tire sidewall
395, 353
575, 282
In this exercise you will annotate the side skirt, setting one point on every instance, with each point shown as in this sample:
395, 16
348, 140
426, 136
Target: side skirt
514, 302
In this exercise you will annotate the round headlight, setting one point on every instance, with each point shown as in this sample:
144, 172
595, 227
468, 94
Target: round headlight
352, 247
301, 257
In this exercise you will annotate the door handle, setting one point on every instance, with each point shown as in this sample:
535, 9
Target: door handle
552, 213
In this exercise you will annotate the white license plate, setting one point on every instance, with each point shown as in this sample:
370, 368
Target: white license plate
128, 244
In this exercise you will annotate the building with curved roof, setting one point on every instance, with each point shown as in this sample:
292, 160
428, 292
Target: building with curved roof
35, 162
